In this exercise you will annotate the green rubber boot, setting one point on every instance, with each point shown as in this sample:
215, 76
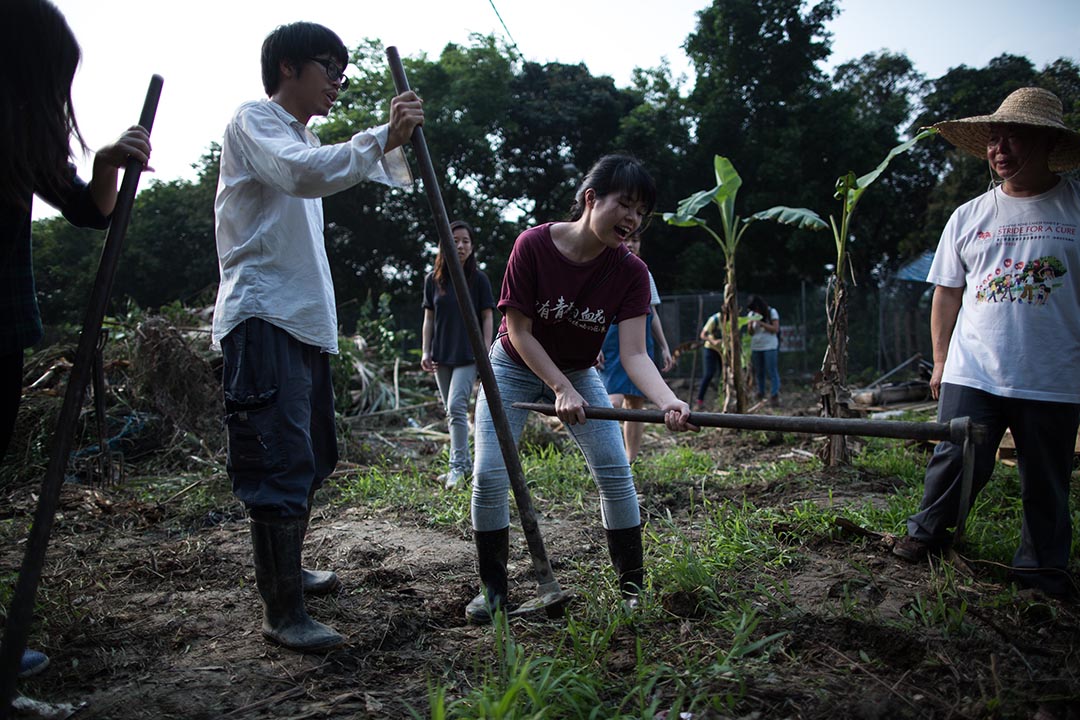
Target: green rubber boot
492, 554
276, 545
627, 555
316, 582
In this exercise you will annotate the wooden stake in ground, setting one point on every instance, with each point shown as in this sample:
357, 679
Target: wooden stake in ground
550, 596
21, 610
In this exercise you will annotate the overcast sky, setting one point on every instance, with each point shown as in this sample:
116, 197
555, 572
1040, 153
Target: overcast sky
208, 50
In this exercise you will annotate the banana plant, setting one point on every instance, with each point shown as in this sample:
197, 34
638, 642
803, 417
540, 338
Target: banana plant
832, 388
732, 228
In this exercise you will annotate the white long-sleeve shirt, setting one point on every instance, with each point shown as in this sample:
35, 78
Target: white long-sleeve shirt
269, 219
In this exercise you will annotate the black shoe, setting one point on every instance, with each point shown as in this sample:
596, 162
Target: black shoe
279, 578
914, 550
492, 554
1058, 584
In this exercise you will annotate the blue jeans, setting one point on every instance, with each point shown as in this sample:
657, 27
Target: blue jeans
766, 362
600, 441
456, 386
712, 364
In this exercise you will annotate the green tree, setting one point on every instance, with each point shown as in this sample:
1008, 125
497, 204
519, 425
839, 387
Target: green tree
508, 140
732, 229
761, 100
658, 130
169, 252
832, 385
65, 262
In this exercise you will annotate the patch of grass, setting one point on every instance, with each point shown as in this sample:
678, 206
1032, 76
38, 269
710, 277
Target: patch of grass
574, 675
716, 576
404, 489
677, 463
557, 475
944, 608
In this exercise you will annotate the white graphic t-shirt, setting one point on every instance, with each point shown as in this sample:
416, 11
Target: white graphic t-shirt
1018, 260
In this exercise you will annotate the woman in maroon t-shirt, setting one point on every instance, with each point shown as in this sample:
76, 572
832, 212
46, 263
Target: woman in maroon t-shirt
565, 283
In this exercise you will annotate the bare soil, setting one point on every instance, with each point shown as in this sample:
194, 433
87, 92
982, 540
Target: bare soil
154, 614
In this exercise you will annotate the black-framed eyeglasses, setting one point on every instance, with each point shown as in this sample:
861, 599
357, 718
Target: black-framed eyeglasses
334, 73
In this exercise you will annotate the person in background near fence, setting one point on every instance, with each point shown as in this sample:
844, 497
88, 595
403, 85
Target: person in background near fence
764, 329
621, 390
446, 350
40, 56
1005, 327
565, 283
275, 316
712, 334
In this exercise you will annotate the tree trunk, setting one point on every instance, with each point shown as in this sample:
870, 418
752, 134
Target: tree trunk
734, 392
833, 385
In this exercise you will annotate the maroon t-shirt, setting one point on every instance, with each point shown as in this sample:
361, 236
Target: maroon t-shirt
571, 304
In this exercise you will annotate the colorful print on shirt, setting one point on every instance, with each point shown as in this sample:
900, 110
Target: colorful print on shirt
1023, 282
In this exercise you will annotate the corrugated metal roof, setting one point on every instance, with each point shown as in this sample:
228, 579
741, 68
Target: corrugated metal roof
917, 269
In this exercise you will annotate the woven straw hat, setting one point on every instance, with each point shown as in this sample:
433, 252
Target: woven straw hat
1027, 106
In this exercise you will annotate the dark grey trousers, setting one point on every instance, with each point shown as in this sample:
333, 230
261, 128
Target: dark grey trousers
1044, 433
279, 412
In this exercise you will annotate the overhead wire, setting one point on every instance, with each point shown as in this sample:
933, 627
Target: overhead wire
513, 42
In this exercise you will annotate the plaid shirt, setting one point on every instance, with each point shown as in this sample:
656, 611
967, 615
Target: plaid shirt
20, 320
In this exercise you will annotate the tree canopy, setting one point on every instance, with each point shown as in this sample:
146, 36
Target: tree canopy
511, 138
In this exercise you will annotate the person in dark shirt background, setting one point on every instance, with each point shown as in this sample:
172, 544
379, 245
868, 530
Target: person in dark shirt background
445, 345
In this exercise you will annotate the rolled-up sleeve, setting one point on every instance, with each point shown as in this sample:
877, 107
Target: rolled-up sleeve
279, 158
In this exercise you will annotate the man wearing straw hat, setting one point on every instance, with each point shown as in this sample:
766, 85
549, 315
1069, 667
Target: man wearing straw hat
1005, 326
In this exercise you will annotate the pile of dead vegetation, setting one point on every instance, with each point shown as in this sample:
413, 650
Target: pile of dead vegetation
161, 408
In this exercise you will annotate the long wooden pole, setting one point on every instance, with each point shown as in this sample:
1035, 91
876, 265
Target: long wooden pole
956, 431
21, 610
961, 431
548, 586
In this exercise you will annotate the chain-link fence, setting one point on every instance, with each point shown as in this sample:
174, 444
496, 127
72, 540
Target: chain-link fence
886, 325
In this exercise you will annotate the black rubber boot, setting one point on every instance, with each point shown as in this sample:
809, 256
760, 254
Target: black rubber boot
492, 554
316, 582
627, 555
276, 545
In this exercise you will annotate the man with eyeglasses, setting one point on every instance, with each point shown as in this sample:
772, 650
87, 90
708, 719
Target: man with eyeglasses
275, 317
1005, 326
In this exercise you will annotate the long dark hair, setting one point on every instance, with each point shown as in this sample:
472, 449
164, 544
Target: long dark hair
442, 273
295, 44
616, 174
38, 59
758, 305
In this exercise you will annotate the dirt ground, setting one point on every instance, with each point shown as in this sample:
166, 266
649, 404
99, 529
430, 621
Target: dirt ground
159, 618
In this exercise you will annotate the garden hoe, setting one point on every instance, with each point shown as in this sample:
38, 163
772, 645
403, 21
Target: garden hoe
551, 598
960, 431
